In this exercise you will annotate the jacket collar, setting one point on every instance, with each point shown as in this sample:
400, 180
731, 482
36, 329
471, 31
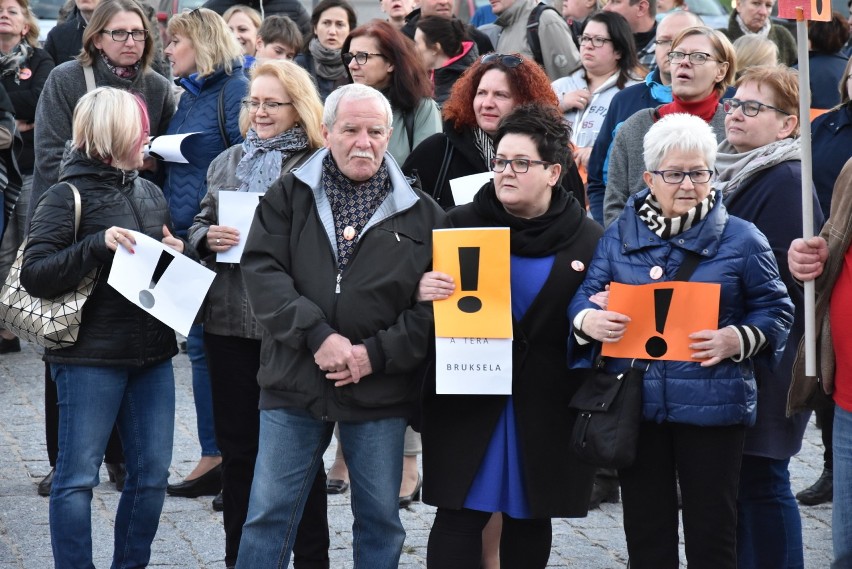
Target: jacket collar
513, 13
75, 163
195, 84
703, 238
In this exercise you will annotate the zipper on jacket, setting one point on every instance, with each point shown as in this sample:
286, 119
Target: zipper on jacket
337, 282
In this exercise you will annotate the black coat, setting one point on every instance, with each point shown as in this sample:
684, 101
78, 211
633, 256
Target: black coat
114, 331
24, 94
426, 160
456, 429
482, 41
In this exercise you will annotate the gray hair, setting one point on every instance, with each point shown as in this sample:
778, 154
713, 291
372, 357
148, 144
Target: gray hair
679, 131
353, 92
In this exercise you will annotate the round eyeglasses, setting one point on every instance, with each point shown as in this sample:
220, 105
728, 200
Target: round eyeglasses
677, 176
518, 165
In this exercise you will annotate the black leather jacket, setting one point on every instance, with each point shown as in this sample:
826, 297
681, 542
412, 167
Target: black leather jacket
114, 331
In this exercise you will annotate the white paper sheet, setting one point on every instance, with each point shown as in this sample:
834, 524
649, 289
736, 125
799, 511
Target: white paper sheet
473, 366
168, 147
236, 209
465, 188
177, 295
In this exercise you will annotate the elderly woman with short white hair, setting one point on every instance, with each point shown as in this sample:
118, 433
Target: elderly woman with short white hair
695, 412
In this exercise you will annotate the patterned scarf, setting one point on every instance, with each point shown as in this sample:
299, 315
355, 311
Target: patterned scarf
262, 160
485, 145
764, 31
651, 214
352, 203
128, 72
327, 62
15, 60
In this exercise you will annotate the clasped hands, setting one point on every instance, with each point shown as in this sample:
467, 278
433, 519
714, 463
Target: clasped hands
343, 362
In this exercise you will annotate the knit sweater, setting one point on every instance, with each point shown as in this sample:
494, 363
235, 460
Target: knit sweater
55, 111
627, 162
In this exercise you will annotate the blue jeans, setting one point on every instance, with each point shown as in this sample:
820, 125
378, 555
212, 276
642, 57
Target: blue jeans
291, 447
202, 393
91, 399
841, 514
769, 528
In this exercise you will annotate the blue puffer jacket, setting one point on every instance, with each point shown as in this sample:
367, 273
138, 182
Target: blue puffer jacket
198, 111
736, 255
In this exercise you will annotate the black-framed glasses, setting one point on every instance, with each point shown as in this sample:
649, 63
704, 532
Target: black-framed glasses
597, 41
121, 35
519, 165
508, 61
677, 176
360, 57
270, 107
749, 108
695, 58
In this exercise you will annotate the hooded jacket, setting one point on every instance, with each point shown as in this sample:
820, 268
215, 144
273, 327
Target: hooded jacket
299, 297
445, 77
113, 331
734, 254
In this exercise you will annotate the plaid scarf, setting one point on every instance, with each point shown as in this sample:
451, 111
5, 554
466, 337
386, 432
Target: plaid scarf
352, 203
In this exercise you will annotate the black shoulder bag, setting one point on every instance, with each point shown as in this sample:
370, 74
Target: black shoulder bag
609, 406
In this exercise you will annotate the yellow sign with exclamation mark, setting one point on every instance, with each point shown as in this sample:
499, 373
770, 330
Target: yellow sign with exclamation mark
478, 261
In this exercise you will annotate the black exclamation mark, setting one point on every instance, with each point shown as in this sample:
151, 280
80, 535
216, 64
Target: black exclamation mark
146, 299
469, 268
656, 346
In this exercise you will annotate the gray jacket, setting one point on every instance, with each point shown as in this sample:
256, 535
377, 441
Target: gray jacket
226, 308
627, 160
65, 86
558, 51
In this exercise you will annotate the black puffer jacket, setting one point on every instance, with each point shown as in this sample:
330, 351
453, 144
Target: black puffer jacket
114, 331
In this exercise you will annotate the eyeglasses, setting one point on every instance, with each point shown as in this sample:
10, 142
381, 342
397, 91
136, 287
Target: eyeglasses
749, 108
270, 107
663, 42
696, 57
508, 61
121, 35
360, 57
519, 165
596, 41
677, 176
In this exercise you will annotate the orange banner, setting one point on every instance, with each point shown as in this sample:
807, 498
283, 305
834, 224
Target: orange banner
662, 316
478, 261
819, 10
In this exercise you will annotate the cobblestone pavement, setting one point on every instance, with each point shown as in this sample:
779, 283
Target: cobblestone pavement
191, 535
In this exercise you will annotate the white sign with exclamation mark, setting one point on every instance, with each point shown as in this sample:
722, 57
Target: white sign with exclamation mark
164, 283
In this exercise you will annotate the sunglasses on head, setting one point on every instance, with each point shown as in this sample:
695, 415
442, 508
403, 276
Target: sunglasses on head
508, 61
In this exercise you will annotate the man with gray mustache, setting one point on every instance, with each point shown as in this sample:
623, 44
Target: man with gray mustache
331, 267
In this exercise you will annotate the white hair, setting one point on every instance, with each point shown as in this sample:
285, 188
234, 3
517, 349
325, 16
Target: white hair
353, 92
679, 131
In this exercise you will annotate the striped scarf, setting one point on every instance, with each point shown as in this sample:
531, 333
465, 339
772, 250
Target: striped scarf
651, 214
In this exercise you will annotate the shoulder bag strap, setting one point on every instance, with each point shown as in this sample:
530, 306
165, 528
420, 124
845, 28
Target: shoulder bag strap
223, 131
442, 174
408, 118
89, 74
687, 267
78, 208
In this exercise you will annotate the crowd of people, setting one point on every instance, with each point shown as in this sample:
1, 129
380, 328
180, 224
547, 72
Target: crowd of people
618, 144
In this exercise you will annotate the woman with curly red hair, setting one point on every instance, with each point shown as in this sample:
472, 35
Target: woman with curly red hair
489, 90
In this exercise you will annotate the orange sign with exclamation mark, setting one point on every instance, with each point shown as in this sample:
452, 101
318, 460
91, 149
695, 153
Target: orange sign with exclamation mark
662, 316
